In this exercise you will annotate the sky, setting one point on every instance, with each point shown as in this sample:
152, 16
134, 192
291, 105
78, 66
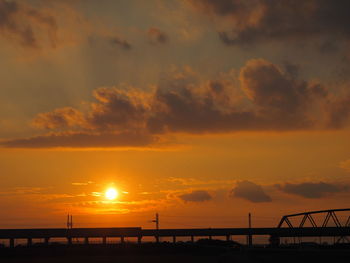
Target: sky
203, 111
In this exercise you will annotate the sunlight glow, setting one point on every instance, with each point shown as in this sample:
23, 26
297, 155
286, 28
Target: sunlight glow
111, 193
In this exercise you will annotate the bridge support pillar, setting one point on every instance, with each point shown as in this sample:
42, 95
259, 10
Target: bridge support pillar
192, 239
12, 242
122, 240
157, 239
46, 241
228, 238
250, 240
210, 237
139, 239
174, 239
104, 240
274, 241
86, 241
29, 242
69, 240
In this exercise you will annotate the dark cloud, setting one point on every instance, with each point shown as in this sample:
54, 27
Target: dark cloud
122, 43
250, 191
281, 99
117, 108
311, 190
291, 69
24, 24
156, 36
254, 21
220, 7
83, 140
269, 99
196, 196
280, 102
179, 106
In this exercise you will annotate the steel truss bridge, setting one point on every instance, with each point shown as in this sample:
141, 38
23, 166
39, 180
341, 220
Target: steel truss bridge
307, 216
317, 229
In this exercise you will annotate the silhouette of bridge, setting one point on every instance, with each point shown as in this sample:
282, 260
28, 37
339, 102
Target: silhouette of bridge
315, 230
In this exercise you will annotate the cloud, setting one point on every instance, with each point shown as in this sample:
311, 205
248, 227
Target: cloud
25, 25
311, 190
59, 118
118, 108
22, 191
122, 43
83, 140
250, 191
256, 21
280, 102
281, 99
180, 105
196, 196
196, 182
156, 36
118, 207
82, 183
268, 98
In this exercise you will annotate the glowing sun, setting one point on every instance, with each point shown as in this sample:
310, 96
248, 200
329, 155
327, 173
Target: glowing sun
111, 193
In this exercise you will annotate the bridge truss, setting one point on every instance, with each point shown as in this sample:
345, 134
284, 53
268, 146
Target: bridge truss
328, 217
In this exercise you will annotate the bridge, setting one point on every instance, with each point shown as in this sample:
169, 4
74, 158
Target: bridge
316, 230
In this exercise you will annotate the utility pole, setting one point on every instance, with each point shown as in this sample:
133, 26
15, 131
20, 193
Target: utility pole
250, 220
157, 226
250, 238
69, 226
69, 221
157, 221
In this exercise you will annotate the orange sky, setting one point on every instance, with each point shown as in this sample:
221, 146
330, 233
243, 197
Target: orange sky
202, 111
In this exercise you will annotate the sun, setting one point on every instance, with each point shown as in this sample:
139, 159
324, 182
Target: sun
111, 193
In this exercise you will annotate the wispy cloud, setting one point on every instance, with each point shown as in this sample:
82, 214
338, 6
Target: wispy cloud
122, 43
193, 182
26, 25
156, 36
82, 183
196, 196
23, 191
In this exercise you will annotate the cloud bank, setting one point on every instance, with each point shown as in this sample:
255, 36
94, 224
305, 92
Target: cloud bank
268, 98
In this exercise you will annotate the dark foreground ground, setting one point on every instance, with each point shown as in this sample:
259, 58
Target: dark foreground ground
169, 253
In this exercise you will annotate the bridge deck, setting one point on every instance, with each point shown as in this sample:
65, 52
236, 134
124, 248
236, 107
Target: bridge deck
139, 232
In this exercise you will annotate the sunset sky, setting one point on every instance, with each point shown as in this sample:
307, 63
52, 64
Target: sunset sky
200, 110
